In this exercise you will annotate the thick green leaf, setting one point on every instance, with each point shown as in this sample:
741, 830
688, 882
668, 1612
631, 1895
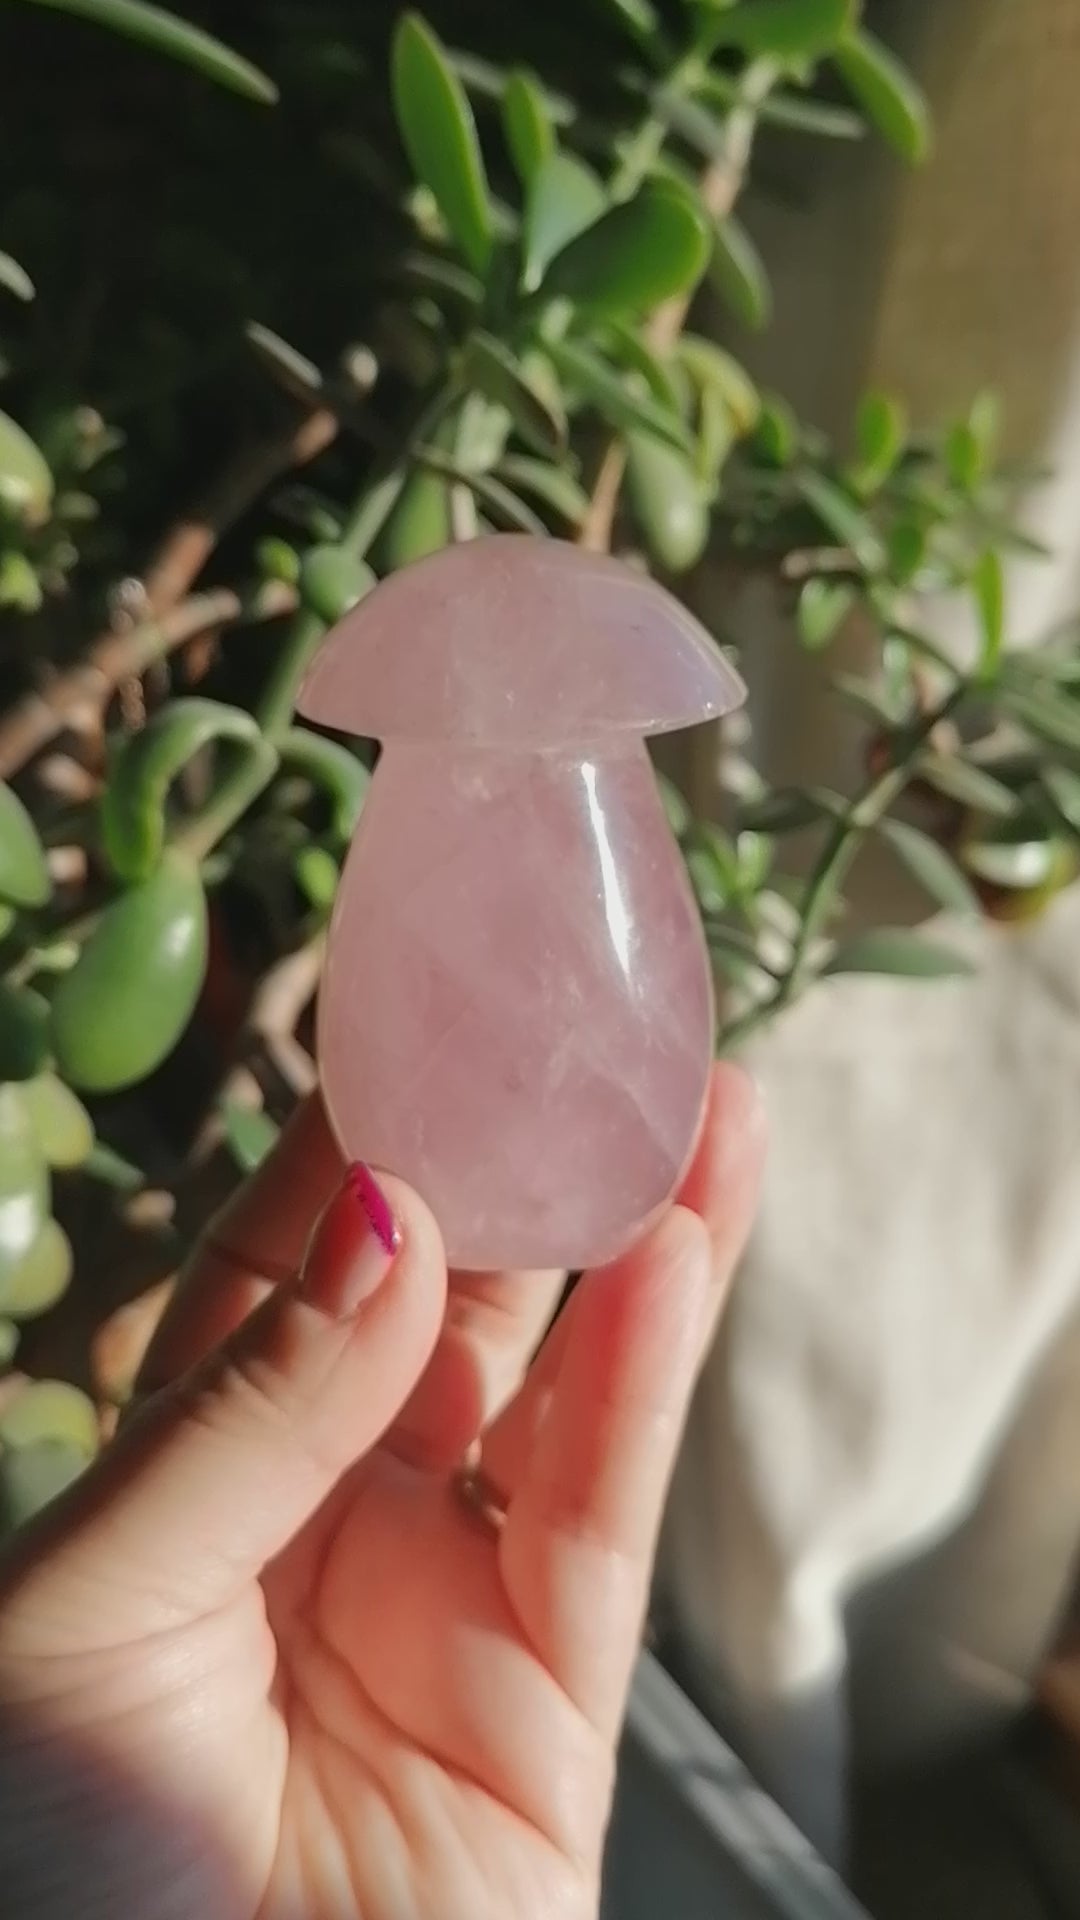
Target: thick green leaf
668, 502
62, 1127
144, 765
41, 1277
932, 867
786, 29
679, 816
840, 515
1049, 716
164, 33
738, 273
823, 606
639, 17
623, 343
26, 485
599, 385
20, 582
1012, 863
333, 579
880, 432
318, 876
15, 278
439, 133
330, 766
527, 126
9, 1343
896, 951
867, 696
24, 1183
122, 1008
24, 876
419, 523
24, 1032
716, 434
250, 1134
639, 253
789, 810
960, 780
795, 111
709, 366
565, 196
970, 445
30, 1477
776, 436
495, 370
889, 95
1063, 788
988, 585
552, 485
504, 505
50, 1410
907, 544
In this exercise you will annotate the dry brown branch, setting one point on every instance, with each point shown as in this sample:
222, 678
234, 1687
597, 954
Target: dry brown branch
187, 547
268, 1049
81, 691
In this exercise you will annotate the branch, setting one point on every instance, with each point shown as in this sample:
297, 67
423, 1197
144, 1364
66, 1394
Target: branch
188, 545
719, 188
84, 688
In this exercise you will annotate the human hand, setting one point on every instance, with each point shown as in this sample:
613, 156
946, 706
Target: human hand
264, 1660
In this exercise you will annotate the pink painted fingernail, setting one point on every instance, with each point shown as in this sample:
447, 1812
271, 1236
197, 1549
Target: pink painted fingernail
352, 1247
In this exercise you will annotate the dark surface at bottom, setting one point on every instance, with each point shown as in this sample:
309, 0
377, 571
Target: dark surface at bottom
693, 1838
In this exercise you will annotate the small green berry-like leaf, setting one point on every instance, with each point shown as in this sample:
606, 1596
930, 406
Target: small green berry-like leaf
26, 485
24, 876
24, 1032
129, 996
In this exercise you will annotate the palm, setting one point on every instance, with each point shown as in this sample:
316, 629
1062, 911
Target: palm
214, 1704
414, 1706
399, 1732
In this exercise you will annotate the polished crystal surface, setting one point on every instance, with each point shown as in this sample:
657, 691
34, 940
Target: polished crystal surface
516, 1012
518, 642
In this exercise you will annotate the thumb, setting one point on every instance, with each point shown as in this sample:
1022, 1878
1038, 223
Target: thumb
221, 1470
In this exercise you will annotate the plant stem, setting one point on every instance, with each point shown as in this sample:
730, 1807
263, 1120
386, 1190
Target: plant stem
837, 854
232, 798
719, 187
244, 782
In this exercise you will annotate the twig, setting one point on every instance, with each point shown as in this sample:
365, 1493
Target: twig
840, 848
805, 562
37, 718
269, 1039
189, 544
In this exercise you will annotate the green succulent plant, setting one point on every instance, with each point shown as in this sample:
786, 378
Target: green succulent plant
523, 354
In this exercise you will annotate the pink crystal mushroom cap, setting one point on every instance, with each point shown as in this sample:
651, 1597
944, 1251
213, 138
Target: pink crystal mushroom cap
519, 643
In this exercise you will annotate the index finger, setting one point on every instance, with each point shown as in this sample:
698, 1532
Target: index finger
493, 1321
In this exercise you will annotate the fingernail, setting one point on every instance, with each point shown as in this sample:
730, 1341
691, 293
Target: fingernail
352, 1248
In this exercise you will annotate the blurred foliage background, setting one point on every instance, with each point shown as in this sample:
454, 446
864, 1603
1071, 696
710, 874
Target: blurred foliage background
290, 295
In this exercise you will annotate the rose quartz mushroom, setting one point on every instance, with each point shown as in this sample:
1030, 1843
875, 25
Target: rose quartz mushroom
516, 1013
